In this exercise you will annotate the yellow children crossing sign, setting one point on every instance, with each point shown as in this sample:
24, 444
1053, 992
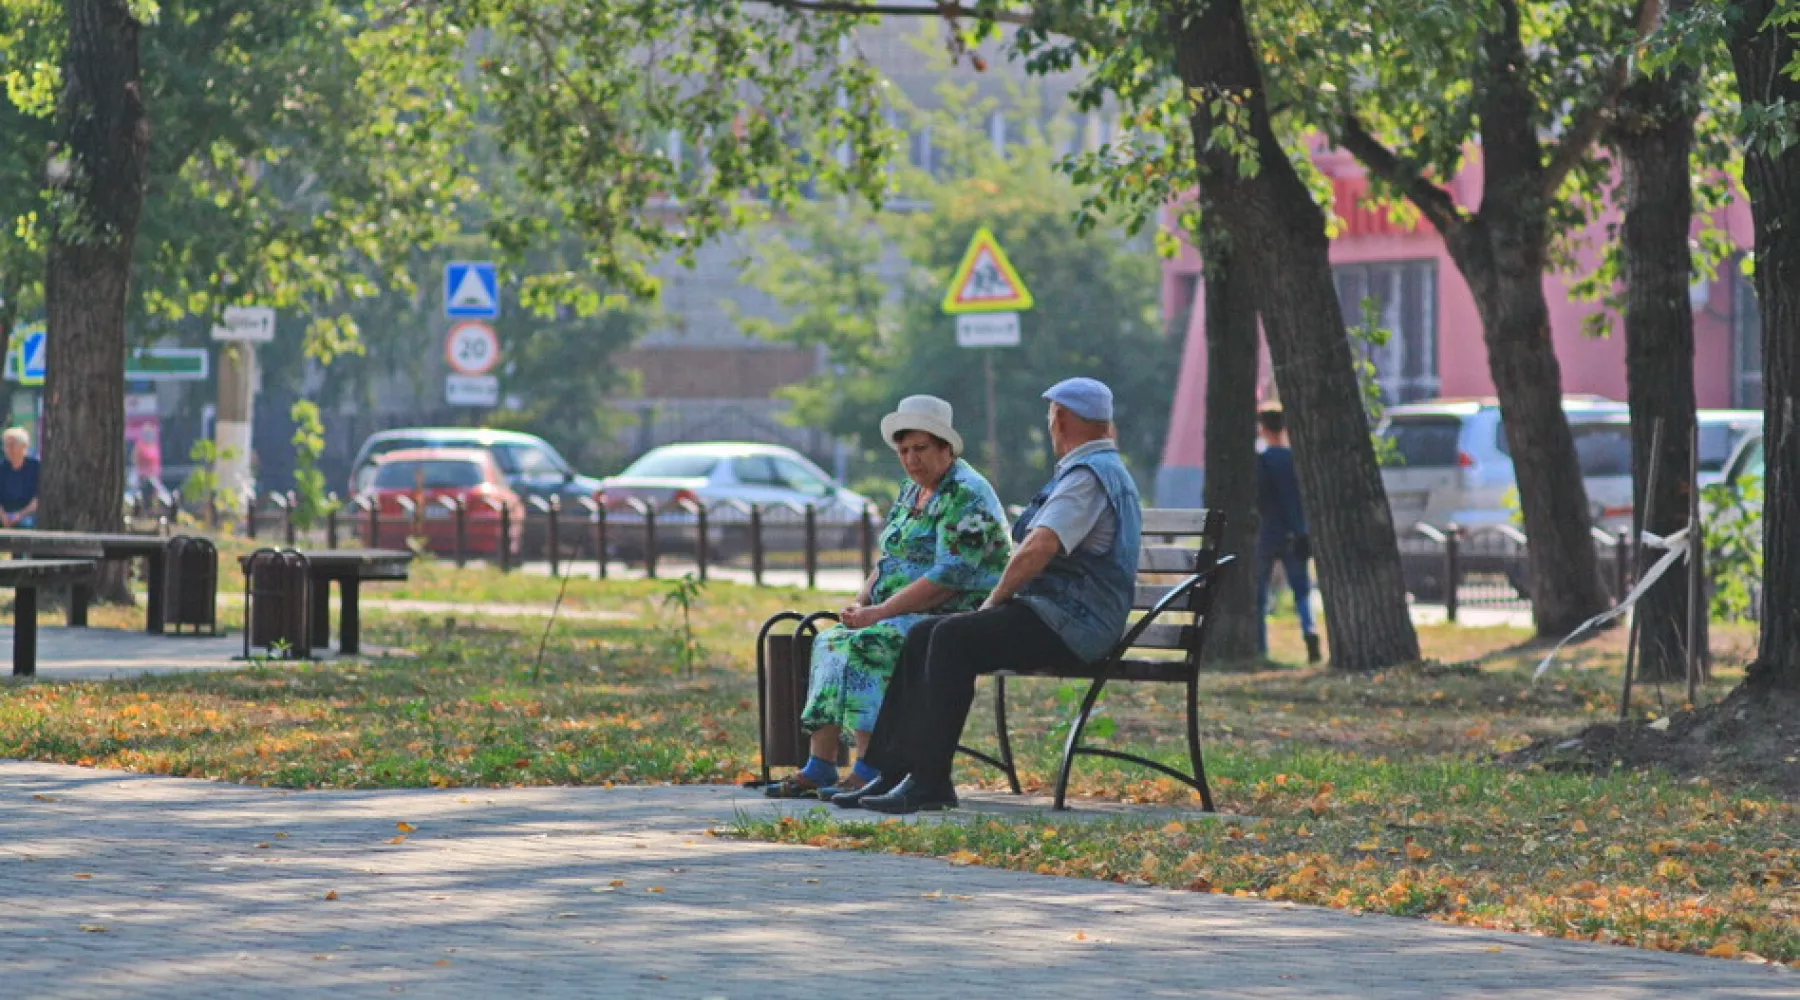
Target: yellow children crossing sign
985, 280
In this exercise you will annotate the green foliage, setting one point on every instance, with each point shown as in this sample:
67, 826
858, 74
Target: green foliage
203, 483
1096, 312
312, 504
685, 593
1734, 546
1372, 335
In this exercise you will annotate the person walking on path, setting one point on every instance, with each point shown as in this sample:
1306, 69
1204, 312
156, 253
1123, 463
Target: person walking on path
18, 481
1283, 536
1063, 600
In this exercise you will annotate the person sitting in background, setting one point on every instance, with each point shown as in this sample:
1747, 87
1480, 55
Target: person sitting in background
942, 552
18, 481
1283, 536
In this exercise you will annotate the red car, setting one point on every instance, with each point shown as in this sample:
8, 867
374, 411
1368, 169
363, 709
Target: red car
428, 476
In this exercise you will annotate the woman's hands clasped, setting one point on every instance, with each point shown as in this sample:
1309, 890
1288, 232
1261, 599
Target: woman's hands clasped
862, 616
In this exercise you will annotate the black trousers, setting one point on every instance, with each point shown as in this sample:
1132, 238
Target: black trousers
927, 700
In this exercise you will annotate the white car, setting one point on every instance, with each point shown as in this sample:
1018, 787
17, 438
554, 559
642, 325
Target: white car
713, 474
1448, 461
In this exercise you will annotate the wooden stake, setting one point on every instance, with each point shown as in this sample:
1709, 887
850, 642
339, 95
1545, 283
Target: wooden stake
1639, 521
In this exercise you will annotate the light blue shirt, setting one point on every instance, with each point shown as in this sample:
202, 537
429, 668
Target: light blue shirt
1077, 509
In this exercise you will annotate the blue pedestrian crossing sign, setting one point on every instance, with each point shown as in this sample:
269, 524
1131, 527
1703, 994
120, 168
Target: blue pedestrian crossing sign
471, 289
27, 362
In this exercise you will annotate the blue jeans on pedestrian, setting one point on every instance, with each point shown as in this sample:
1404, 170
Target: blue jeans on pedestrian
1269, 551
28, 521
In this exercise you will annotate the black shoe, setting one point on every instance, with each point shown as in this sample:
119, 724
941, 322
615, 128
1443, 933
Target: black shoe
911, 796
854, 800
1313, 655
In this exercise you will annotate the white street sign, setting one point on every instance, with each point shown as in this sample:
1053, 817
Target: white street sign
248, 324
472, 348
987, 330
472, 390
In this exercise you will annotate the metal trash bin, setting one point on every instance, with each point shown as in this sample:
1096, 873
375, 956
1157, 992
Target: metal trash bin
191, 586
783, 669
277, 603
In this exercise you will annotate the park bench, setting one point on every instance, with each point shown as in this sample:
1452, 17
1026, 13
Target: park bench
97, 545
1178, 576
26, 577
349, 568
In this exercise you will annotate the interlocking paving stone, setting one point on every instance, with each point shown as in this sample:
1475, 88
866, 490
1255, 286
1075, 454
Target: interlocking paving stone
208, 889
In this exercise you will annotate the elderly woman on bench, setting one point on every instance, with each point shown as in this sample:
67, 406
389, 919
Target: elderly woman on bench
942, 551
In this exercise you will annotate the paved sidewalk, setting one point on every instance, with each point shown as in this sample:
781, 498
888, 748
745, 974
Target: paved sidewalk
120, 885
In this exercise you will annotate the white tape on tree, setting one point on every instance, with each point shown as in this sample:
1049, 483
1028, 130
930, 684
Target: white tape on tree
1675, 550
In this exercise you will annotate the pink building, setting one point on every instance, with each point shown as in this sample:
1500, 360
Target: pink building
1436, 347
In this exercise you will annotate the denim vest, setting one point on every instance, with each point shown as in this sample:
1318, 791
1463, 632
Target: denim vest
1085, 598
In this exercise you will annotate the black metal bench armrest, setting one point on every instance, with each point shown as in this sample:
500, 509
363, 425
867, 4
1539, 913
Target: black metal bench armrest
1178, 595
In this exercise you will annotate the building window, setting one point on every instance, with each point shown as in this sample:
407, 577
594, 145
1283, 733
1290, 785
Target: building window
1403, 295
1746, 341
920, 152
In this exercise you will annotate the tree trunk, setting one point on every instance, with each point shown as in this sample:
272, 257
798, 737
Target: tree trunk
1280, 231
1502, 255
99, 171
1653, 134
1231, 369
1760, 56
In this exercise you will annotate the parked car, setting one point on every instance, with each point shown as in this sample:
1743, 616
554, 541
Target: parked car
531, 466
715, 472
1747, 461
429, 475
1722, 435
1451, 463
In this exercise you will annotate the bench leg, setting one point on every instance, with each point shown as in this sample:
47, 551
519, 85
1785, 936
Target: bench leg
156, 568
320, 597
80, 594
1193, 735
1006, 754
1074, 744
350, 618
25, 632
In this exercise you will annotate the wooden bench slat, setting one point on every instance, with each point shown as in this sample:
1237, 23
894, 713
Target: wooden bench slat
1160, 636
1168, 559
1174, 521
1150, 671
1149, 593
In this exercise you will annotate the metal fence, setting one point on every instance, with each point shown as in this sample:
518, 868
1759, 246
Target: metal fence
686, 536
1491, 568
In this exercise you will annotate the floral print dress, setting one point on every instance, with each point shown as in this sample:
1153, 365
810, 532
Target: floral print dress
958, 540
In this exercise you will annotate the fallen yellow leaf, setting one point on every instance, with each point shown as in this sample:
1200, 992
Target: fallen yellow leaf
1414, 852
1724, 949
404, 827
1173, 826
397, 840
1578, 827
1369, 845
616, 883
84, 875
331, 895
654, 888
94, 928
963, 857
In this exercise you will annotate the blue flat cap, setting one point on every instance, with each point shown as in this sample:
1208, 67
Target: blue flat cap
1087, 398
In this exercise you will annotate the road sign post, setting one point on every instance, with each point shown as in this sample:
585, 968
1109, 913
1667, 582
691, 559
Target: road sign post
986, 296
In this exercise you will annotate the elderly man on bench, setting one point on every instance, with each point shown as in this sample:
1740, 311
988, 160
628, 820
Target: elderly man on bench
1064, 598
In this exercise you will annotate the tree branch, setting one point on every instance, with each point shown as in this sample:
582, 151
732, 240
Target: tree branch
1591, 119
1433, 201
946, 9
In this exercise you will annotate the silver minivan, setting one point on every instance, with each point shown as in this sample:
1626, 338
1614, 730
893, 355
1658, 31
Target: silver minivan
1447, 461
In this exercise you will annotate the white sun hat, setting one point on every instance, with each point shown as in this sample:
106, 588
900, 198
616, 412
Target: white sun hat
922, 413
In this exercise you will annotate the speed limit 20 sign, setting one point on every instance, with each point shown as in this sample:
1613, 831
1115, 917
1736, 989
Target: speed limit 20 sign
472, 348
